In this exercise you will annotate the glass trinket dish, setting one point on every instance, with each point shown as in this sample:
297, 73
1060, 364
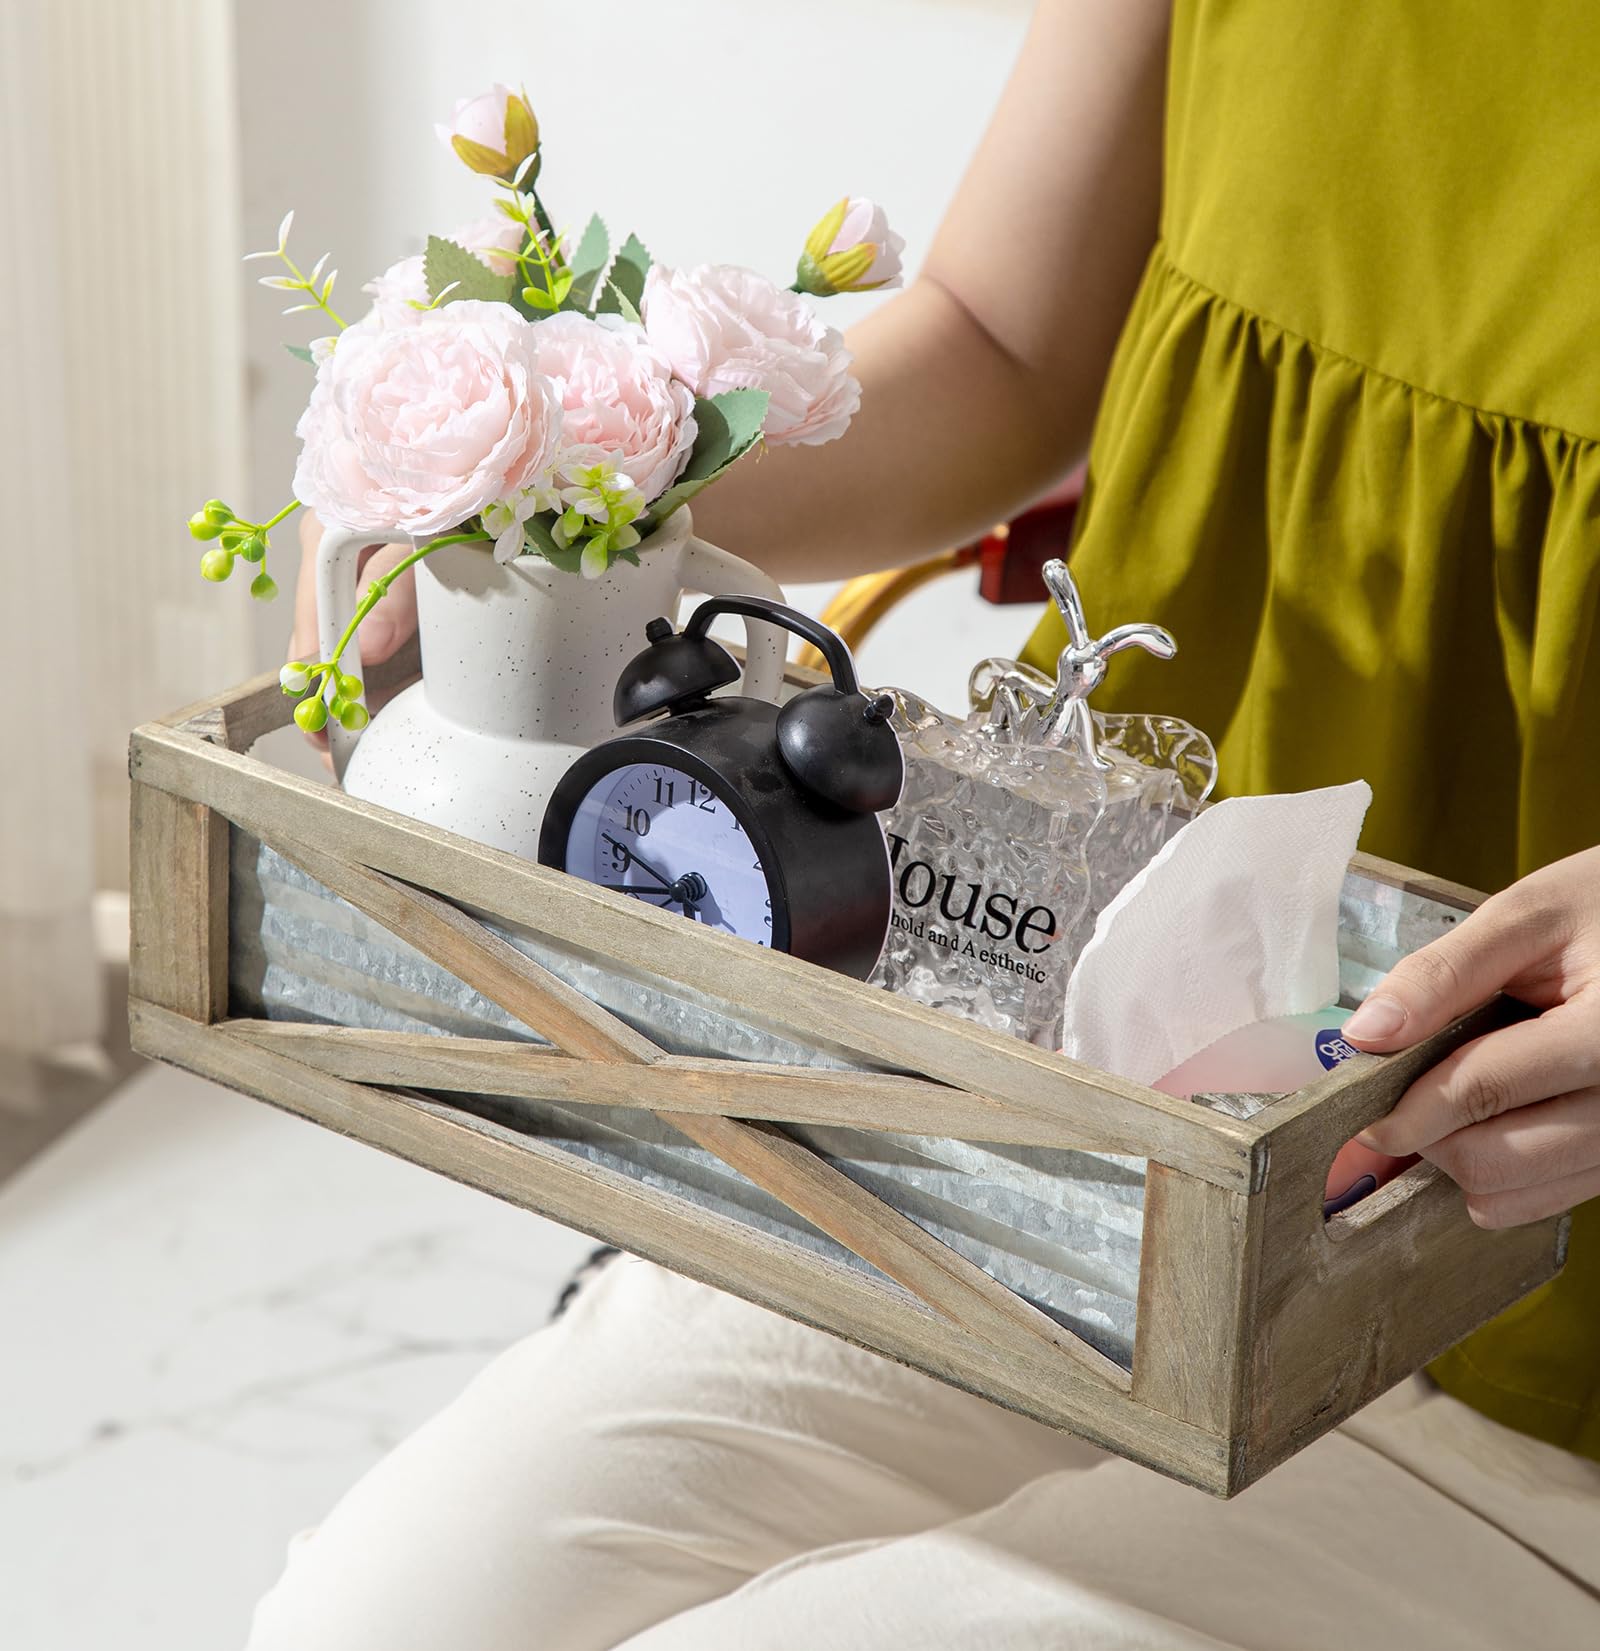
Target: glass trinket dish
1020, 822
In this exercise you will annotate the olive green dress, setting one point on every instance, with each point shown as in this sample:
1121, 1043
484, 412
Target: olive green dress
1348, 455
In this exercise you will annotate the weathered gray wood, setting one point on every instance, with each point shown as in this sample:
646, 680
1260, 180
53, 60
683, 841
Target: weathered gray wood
178, 904
879, 1102
1197, 1272
548, 1006
1344, 1309
1096, 1112
893, 1243
816, 1191
873, 1313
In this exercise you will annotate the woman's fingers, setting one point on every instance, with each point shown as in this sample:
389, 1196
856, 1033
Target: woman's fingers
384, 631
394, 620
1521, 1205
1504, 939
1516, 1067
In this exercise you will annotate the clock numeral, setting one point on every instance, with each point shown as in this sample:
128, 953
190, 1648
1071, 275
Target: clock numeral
621, 859
665, 790
708, 802
638, 821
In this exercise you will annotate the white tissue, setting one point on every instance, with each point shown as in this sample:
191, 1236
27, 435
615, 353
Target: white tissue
1235, 920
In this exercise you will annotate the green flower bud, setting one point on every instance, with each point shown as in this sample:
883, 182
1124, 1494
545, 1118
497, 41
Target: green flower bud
253, 548
216, 512
295, 677
353, 716
233, 537
202, 527
350, 687
311, 716
216, 565
263, 587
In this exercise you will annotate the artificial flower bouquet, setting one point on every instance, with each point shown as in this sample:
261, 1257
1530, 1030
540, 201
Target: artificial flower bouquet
541, 395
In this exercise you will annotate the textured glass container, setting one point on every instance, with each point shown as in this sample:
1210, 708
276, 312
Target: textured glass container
1020, 822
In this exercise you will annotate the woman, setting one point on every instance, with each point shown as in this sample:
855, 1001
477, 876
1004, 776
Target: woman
1345, 448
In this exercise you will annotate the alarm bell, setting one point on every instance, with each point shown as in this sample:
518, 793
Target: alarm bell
835, 740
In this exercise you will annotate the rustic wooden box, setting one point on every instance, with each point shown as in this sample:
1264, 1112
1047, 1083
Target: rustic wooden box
1259, 1326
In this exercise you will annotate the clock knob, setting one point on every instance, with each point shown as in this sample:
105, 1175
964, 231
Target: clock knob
840, 747
674, 670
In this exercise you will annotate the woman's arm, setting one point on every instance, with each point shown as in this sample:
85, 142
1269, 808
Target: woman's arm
979, 382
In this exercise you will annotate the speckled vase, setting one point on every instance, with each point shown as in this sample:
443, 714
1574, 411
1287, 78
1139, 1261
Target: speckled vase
518, 667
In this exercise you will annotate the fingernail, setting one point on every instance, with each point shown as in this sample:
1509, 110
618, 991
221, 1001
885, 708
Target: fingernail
1377, 1019
1368, 1140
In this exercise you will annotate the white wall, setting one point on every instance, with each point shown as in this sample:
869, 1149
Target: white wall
719, 130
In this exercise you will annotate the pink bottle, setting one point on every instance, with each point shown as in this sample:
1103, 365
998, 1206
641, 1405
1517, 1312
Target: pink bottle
1273, 1057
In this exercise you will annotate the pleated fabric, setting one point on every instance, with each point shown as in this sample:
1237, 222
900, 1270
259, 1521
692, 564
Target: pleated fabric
1347, 454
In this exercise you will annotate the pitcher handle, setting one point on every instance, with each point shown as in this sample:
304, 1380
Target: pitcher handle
715, 572
337, 556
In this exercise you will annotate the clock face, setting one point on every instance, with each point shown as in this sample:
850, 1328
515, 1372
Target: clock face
659, 835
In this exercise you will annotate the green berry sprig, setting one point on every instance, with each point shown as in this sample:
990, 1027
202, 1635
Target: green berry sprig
313, 682
236, 538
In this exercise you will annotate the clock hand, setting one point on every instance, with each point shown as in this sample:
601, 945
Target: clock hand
638, 859
687, 891
645, 892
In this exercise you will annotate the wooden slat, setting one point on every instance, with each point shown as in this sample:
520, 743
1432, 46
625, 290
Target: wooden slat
1197, 1274
1397, 876
242, 715
814, 1190
1096, 1112
178, 905
1343, 1310
892, 1242
868, 1311
885, 1103
550, 1007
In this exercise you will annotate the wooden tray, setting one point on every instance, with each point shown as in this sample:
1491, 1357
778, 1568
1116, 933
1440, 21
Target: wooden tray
1259, 1326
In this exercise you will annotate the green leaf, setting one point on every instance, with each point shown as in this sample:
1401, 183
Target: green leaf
567, 559
299, 351
587, 262
613, 301
445, 262
728, 426
628, 271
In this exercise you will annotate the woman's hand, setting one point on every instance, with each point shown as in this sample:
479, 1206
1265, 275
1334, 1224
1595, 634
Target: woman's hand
1513, 1117
385, 630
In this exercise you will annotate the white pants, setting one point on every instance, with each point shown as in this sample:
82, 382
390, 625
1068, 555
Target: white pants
670, 1469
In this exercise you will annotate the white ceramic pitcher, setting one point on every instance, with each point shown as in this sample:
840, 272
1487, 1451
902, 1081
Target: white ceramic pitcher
518, 666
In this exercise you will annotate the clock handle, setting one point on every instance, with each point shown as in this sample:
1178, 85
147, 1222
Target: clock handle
714, 571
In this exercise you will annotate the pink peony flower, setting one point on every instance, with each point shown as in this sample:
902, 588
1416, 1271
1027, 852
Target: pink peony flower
397, 293
619, 399
726, 328
401, 293
417, 429
495, 238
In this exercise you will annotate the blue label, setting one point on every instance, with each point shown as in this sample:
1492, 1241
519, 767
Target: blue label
1331, 1048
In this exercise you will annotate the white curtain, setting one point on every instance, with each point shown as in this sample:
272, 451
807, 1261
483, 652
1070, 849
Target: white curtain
121, 409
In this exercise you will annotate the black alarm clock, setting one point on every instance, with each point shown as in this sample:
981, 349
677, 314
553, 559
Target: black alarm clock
755, 819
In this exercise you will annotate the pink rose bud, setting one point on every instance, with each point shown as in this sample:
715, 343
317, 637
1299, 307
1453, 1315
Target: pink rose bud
851, 249
493, 133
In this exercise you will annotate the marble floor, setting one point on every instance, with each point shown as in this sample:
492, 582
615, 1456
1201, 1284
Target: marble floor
213, 1317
